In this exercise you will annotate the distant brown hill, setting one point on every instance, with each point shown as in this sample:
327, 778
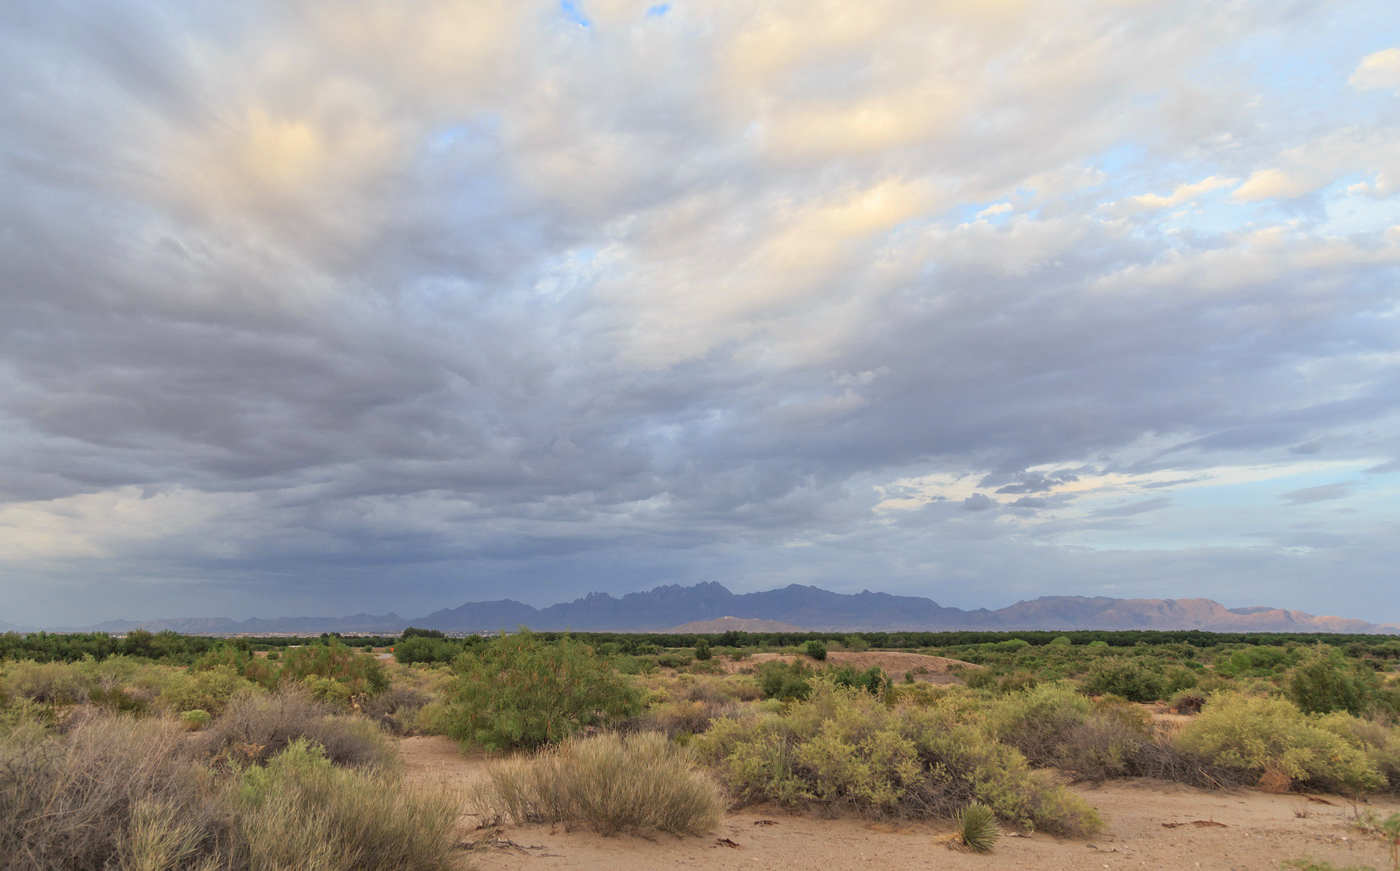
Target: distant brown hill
734, 624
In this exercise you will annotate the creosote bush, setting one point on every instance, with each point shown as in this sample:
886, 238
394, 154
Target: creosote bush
523, 691
609, 783
844, 748
1272, 740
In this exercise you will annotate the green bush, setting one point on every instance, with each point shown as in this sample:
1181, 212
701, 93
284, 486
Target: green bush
844, 747
783, 681
359, 674
702, 650
208, 690
522, 691
1126, 679
609, 783
815, 649
1327, 681
872, 680
1271, 739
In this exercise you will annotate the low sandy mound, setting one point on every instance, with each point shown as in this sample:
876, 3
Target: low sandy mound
929, 669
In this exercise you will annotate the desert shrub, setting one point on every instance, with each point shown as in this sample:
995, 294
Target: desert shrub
333, 661
702, 650
674, 659
258, 726
106, 794
1038, 721
49, 683
229, 657
980, 679
815, 649
609, 783
301, 812
1124, 678
1379, 741
194, 720
1017, 681
872, 680
395, 709
1271, 739
209, 690
1179, 677
1188, 701
1115, 740
844, 748
782, 681
1256, 661
1327, 681
118, 700
521, 691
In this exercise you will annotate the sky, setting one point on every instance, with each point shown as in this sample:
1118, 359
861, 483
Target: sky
315, 308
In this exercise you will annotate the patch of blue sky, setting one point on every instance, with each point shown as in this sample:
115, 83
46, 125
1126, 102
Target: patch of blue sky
1357, 212
482, 126
658, 10
574, 12
1306, 68
989, 211
568, 273
1125, 158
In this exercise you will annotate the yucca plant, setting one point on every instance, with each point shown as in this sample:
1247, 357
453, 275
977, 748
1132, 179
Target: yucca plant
977, 827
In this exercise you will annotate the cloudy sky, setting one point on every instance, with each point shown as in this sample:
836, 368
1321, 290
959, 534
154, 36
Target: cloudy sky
324, 307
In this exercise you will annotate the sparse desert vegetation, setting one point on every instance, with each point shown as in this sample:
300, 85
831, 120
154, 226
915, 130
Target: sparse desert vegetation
190, 753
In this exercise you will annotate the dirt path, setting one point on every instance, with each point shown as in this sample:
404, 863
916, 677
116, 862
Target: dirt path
1150, 825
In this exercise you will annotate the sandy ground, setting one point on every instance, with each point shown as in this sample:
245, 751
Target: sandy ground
1150, 825
928, 669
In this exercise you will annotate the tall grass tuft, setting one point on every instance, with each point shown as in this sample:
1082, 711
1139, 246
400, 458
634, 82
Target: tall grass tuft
610, 783
300, 813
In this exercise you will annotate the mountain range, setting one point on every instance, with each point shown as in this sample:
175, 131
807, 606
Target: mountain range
668, 607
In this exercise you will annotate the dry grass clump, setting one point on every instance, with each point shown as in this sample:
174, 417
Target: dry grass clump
121, 794
257, 726
609, 783
111, 788
300, 813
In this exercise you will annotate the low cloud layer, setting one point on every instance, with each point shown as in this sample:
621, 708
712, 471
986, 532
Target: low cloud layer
319, 309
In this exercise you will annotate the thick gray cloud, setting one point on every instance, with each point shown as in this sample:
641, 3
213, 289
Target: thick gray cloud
312, 309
